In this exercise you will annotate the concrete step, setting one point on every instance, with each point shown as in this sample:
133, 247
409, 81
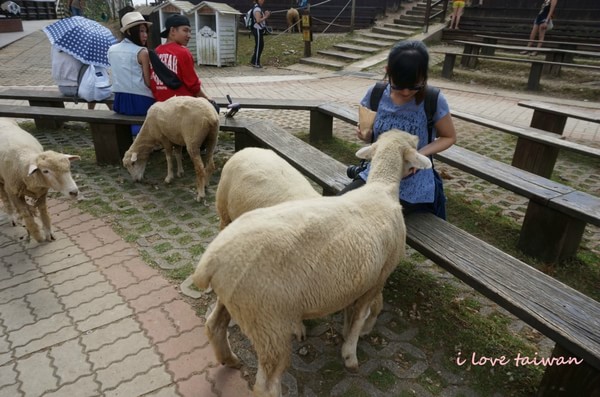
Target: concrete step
391, 32
408, 19
322, 62
378, 44
355, 48
404, 28
340, 55
380, 37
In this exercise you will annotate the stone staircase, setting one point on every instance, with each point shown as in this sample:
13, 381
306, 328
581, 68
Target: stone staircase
407, 22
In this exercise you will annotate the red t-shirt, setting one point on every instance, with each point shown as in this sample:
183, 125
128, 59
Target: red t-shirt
180, 60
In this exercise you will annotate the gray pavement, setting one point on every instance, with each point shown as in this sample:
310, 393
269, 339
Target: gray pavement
93, 313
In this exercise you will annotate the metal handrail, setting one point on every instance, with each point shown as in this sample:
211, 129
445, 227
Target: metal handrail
429, 17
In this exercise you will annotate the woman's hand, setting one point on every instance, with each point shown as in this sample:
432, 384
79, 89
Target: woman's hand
365, 137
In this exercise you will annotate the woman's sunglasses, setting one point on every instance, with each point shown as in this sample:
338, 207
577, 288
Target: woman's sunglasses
417, 87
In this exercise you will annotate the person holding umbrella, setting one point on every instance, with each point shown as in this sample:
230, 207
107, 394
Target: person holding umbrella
77, 42
130, 65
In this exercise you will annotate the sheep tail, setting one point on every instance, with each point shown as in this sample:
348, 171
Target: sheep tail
203, 274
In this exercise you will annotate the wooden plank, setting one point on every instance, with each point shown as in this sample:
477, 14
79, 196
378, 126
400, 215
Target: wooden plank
582, 205
529, 133
561, 110
42, 95
86, 115
558, 311
524, 183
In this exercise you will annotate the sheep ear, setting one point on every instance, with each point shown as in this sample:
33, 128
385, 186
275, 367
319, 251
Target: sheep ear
366, 152
72, 157
416, 159
133, 157
32, 168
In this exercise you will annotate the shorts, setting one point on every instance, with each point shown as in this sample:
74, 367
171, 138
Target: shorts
458, 4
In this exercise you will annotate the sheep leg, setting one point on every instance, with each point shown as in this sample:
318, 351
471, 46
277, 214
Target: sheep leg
194, 153
360, 311
374, 310
216, 330
178, 158
8, 207
273, 355
42, 206
169, 155
27, 214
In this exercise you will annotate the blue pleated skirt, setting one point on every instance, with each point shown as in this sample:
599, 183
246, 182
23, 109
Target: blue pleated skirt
133, 105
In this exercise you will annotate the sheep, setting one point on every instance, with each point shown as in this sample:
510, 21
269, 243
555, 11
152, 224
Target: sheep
293, 20
257, 178
177, 122
273, 267
27, 171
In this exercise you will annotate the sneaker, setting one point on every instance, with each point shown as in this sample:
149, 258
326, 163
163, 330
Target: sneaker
533, 53
524, 52
258, 66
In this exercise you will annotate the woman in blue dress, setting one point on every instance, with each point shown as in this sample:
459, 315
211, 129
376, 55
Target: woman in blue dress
130, 66
402, 106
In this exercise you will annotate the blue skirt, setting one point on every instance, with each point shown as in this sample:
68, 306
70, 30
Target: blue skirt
133, 105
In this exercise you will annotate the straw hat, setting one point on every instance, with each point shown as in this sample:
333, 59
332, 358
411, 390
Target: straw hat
132, 19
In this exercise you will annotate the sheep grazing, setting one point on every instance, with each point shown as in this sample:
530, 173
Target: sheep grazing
258, 178
177, 122
274, 267
293, 20
27, 171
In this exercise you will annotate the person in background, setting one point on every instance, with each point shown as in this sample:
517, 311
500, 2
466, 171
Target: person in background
65, 71
541, 24
402, 107
258, 31
458, 7
130, 65
76, 7
177, 57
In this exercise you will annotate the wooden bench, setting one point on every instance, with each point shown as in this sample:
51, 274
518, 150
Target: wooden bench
566, 45
561, 313
536, 150
321, 124
553, 118
535, 72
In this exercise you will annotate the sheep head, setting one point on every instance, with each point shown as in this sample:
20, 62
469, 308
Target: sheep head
403, 141
53, 170
135, 163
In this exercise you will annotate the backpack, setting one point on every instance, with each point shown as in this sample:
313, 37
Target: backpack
249, 18
431, 98
93, 83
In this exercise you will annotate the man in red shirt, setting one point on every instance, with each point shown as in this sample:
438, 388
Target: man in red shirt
179, 59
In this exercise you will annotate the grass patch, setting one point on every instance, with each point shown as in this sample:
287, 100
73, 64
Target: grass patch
181, 273
283, 50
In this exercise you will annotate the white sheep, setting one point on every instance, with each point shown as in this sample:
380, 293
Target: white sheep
27, 171
177, 122
274, 267
257, 178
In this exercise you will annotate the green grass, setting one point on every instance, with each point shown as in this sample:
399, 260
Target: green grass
286, 49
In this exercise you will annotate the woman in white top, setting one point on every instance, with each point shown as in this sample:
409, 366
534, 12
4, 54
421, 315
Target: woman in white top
130, 65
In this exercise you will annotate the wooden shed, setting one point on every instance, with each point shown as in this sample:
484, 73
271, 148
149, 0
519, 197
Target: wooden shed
216, 33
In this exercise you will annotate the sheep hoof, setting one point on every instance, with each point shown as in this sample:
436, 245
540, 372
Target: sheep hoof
168, 179
351, 365
232, 362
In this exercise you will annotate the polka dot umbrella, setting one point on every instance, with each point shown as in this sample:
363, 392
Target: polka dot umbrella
86, 40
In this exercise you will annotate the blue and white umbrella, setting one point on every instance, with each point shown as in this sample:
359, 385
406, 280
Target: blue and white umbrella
86, 40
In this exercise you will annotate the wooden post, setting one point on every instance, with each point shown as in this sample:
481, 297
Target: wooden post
307, 31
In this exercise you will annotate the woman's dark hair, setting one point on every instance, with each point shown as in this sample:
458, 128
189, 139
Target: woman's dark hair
133, 34
407, 65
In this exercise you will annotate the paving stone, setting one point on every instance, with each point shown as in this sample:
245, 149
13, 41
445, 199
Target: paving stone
111, 313
10, 391
95, 339
8, 375
228, 381
85, 386
16, 314
37, 366
69, 361
156, 378
187, 364
198, 385
118, 349
127, 369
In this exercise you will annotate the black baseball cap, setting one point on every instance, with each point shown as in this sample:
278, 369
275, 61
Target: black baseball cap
172, 22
